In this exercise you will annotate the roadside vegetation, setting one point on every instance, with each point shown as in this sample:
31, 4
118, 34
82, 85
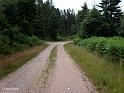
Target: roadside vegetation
107, 77
12, 62
111, 48
16, 43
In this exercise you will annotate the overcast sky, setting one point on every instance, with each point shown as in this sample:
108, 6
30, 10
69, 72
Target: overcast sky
76, 4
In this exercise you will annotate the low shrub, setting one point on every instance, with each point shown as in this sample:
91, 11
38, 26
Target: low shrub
113, 48
17, 42
77, 40
32, 41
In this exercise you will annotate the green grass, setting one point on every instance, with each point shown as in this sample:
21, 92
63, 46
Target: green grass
108, 78
48, 68
11, 63
52, 58
53, 54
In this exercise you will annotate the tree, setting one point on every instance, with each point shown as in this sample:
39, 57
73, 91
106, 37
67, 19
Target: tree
81, 16
90, 25
68, 19
21, 13
111, 14
82, 13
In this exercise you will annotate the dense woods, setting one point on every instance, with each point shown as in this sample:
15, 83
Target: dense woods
23, 23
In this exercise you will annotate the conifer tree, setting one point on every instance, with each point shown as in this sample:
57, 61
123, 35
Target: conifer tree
111, 14
82, 13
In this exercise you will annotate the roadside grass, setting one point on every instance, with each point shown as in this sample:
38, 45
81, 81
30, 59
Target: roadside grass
53, 56
107, 77
10, 63
48, 68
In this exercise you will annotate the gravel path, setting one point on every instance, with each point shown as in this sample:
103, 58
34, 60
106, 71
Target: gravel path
66, 77
21, 80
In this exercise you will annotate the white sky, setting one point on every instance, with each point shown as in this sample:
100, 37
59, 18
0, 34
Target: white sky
76, 4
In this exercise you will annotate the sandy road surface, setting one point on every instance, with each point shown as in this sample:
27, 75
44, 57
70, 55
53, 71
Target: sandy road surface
21, 80
67, 77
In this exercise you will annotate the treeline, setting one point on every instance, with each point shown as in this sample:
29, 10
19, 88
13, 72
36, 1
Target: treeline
105, 19
23, 23
33, 17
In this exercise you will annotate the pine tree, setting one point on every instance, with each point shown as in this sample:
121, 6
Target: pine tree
82, 13
90, 25
111, 14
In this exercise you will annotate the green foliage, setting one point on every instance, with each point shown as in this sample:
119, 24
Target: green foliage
67, 23
110, 9
91, 24
3, 23
77, 40
109, 47
32, 41
17, 42
14, 34
111, 13
4, 45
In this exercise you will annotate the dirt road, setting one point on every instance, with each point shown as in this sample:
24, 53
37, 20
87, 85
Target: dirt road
66, 76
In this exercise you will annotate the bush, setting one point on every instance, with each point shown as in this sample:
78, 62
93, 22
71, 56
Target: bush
110, 47
18, 47
12, 41
32, 41
4, 45
17, 42
77, 40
